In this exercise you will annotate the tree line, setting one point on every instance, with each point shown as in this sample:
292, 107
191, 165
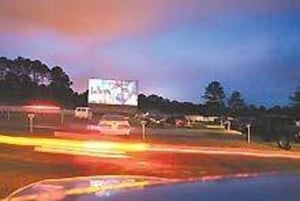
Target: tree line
216, 103
23, 80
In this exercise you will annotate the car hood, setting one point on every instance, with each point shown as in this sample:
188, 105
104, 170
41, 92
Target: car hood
62, 188
267, 187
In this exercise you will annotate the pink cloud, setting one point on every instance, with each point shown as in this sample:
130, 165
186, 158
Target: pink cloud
109, 18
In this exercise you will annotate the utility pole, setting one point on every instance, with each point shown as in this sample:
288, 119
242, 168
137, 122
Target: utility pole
248, 133
62, 117
144, 129
30, 118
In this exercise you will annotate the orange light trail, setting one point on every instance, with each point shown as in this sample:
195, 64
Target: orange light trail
76, 147
99, 154
42, 108
77, 144
226, 151
105, 148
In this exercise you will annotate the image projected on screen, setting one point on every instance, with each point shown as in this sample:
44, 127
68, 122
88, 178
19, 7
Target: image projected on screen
113, 92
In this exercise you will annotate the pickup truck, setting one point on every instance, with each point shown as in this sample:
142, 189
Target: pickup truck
281, 129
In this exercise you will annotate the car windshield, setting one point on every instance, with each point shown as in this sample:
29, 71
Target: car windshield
96, 95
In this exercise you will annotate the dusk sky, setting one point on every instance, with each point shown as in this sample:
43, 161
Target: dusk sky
173, 47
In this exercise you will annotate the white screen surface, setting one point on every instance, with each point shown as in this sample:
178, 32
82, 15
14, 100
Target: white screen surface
113, 92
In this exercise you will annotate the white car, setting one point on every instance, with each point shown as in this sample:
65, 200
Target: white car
112, 125
83, 113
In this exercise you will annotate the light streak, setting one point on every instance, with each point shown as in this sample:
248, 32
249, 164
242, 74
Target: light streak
106, 147
76, 144
42, 108
92, 189
210, 178
92, 150
226, 151
80, 152
76, 147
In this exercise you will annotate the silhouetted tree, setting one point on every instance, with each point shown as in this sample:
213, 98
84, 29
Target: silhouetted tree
60, 86
142, 102
214, 98
22, 80
296, 103
80, 99
40, 72
236, 104
275, 110
160, 104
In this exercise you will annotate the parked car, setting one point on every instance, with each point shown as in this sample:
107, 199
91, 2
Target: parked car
83, 113
178, 121
276, 128
113, 125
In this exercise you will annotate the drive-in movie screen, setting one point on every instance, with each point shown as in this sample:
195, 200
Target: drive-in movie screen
113, 92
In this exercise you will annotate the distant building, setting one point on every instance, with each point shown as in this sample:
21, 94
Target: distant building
200, 118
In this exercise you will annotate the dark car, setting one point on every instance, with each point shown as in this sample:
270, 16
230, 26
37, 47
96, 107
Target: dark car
176, 121
281, 129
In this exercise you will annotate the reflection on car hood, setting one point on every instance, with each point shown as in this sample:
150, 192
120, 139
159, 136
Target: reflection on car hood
267, 187
59, 189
